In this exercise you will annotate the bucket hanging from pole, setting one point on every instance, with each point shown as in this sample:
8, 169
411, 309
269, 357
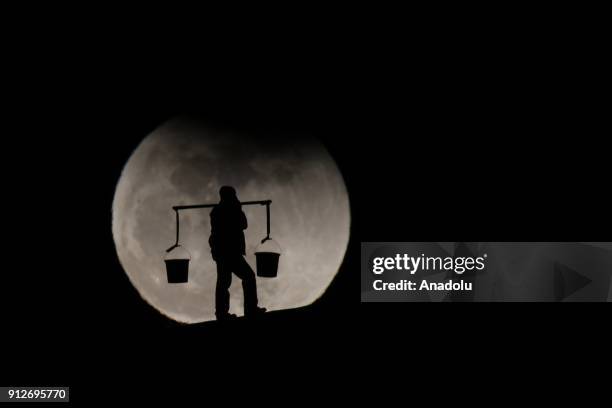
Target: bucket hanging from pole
177, 260
177, 265
267, 255
268, 251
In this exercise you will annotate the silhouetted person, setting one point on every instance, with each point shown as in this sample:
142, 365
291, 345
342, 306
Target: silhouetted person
227, 246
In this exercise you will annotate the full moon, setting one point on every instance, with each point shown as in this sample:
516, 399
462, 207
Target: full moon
185, 161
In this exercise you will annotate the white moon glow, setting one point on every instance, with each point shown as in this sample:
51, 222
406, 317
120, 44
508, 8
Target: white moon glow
186, 162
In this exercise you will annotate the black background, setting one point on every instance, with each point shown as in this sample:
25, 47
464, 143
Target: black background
438, 139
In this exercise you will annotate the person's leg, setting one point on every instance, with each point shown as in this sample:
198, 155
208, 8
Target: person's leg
249, 285
222, 296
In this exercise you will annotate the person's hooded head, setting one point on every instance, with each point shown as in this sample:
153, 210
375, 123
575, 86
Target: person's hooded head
228, 196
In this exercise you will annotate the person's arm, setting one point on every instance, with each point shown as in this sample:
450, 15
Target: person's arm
244, 222
213, 222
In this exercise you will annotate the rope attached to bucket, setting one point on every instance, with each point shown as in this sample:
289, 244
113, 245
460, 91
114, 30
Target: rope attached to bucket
176, 244
267, 222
